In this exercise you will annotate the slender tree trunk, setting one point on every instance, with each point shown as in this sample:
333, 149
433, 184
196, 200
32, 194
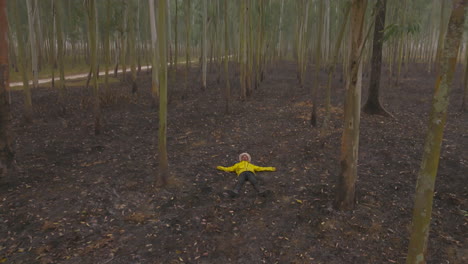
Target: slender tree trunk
123, 41
373, 105
465, 82
52, 58
422, 210
60, 51
6, 150
154, 49
345, 190
318, 47
187, 41
92, 22
28, 114
168, 34
32, 42
280, 29
226, 58
204, 44
131, 45
243, 49
332, 67
107, 47
176, 43
163, 174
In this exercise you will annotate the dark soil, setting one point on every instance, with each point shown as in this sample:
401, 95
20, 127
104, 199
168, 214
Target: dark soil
80, 198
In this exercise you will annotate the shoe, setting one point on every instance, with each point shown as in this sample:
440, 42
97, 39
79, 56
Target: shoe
265, 193
232, 194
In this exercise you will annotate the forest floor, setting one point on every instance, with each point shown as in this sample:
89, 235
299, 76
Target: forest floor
80, 198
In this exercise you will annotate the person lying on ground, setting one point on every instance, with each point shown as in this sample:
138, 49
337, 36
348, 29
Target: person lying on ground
246, 172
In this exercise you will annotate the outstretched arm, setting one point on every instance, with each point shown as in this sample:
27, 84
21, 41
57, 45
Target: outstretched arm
227, 169
258, 168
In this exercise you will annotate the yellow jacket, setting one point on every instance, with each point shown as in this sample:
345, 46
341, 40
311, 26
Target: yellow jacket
242, 166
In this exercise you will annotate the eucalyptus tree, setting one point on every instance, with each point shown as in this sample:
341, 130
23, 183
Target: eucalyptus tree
106, 33
345, 188
332, 66
176, 36
243, 49
187, 40
465, 84
6, 149
204, 43
280, 29
227, 95
163, 173
424, 195
131, 43
33, 42
302, 36
22, 61
60, 49
318, 62
154, 55
123, 39
373, 104
92, 31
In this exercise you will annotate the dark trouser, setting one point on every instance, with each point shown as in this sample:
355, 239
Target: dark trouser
246, 176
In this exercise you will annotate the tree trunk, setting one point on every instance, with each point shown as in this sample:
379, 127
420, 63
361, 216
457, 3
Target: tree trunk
92, 29
6, 150
32, 42
430, 161
332, 67
280, 29
176, 39
123, 41
465, 82
163, 174
131, 45
107, 48
345, 189
187, 42
52, 58
60, 51
22, 63
204, 44
373, 105
318, 50
154, 57
226, 58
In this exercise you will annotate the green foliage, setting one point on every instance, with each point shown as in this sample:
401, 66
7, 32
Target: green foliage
395, 30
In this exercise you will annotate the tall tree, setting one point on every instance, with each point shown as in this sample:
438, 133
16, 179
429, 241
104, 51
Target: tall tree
204, 44
154, 56
92, 30
226, 58
28, 113
6, 150
131, 44
430, 161
163, 174
60, 50
318, 62
107, 47
33, 42
187, 40
465, 82
373, 105
332, 66
345, 189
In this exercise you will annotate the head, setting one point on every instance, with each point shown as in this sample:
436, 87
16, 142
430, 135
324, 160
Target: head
244, 157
